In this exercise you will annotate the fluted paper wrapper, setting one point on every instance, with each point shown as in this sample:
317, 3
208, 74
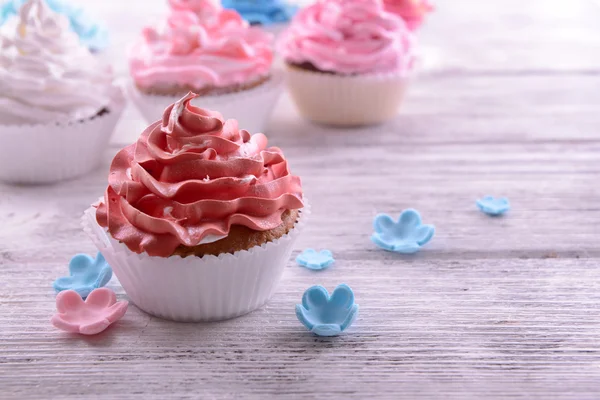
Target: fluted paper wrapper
47, 153
346, 100
252, 108
191, 289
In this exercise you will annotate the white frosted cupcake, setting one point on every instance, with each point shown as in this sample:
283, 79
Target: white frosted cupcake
347, 62
211, 51
58, 104
199, 218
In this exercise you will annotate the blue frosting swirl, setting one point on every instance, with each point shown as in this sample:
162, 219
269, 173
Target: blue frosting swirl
262, 12
91, 34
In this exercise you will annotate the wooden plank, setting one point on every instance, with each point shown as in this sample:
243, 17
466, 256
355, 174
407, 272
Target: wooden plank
464, 327
512, 36
447, 110
547, 217
436, 159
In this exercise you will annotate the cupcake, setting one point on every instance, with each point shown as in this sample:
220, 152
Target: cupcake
58, 103
212, 52
199, 217
347, 62
273, 15
411, 11
92, 34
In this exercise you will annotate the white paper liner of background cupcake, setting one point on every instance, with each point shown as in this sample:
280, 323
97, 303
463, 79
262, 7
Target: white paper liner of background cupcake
46, 153
252, 108
346, 100
194, 289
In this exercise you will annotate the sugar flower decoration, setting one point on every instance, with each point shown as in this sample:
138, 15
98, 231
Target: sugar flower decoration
407, 235
88, 317
493, 206
263, 12
324, 315
85, 274
315, 260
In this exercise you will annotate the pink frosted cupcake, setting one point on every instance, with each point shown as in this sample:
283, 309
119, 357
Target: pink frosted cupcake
210, 51
199, 217
413, 12
347, 62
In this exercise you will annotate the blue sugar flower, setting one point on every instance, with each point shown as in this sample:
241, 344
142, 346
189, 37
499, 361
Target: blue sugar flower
314, 260
405, 236
91, 34
86, 274
263, 12
493, 206
324, 315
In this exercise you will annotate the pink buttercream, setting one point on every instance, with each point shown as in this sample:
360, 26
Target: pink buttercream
191, 175
201, 45
348, 37
411, 11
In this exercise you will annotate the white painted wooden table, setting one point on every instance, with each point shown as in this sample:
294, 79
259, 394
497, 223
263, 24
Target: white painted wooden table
508, 104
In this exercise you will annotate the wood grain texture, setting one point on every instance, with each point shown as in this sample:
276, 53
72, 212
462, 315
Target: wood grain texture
502, 308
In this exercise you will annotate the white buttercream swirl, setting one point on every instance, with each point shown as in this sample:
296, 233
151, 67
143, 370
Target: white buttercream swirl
46, 75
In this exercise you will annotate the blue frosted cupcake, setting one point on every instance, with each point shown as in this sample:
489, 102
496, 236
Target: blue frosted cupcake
272, 15
91, 33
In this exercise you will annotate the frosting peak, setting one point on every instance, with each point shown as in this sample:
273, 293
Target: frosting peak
46, 75
192, 175
91, 33
348, 37
201, 45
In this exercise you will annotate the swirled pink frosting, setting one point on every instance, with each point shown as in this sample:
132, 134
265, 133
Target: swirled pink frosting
192, 175
348, 37
411, 11
201, 45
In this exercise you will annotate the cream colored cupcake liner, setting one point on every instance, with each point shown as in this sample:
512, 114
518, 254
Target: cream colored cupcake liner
47, 153
252, 108
208, 288
346, 100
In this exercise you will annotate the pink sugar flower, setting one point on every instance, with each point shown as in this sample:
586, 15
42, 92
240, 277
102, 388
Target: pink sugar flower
88, 317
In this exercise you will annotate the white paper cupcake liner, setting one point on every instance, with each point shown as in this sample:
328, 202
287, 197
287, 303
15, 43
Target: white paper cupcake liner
346, 100
197, 289
252, 108
47, 153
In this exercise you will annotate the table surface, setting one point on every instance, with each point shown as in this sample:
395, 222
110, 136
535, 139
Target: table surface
507, 103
